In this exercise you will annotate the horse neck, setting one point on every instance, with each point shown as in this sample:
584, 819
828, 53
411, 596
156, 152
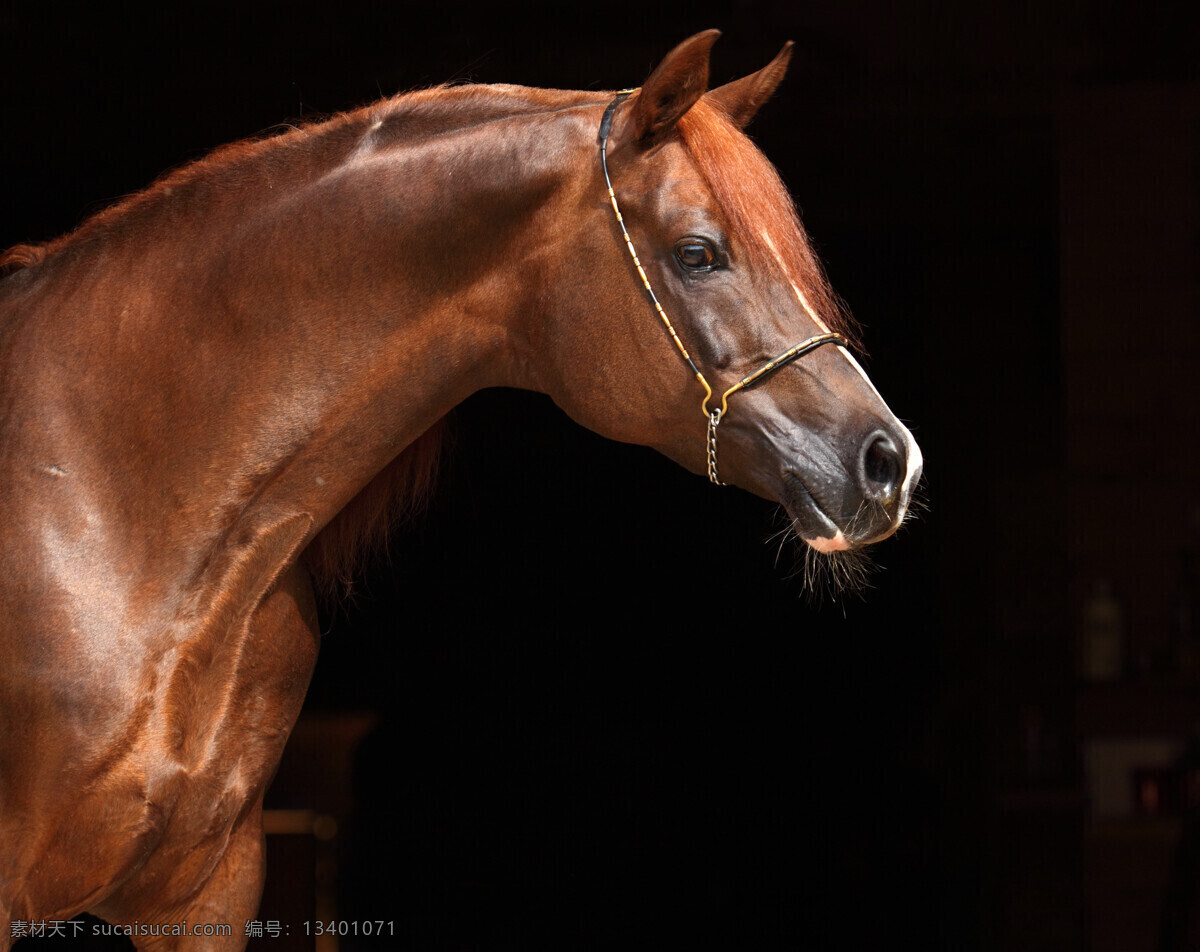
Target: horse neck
293, 321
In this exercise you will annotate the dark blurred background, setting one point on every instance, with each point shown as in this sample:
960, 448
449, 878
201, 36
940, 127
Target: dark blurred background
586, 702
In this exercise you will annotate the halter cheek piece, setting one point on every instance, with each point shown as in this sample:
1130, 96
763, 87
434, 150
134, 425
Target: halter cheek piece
716, 414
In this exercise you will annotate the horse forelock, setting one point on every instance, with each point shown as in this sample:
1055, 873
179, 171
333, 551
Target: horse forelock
761, 212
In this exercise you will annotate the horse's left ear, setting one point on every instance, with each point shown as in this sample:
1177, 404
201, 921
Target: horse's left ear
673, 88
742, 98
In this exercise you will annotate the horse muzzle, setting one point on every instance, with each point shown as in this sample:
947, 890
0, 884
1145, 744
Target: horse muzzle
839, 501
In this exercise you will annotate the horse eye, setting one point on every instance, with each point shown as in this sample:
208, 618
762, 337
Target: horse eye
695, 254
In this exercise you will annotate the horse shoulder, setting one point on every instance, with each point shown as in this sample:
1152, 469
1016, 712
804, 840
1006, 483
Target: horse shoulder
167, 742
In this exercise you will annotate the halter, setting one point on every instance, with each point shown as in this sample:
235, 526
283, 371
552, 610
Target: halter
716, 414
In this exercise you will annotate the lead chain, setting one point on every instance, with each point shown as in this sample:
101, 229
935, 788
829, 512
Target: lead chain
713, 419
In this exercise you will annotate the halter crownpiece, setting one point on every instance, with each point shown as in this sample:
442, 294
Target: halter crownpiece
716, 414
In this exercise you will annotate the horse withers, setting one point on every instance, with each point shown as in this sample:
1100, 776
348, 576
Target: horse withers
215, 390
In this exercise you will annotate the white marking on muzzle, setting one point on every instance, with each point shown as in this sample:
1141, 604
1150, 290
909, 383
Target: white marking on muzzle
838, 543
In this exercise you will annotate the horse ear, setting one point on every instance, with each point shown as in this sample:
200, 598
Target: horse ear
673, 88
742, 98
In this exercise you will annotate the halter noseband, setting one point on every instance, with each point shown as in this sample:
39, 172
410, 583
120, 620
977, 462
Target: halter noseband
716, 414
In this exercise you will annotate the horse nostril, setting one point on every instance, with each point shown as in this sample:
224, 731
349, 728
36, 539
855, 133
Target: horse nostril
880, 469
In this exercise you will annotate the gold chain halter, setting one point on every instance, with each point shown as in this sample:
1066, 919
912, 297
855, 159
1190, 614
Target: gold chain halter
716, 414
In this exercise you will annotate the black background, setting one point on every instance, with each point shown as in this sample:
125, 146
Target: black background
608, 714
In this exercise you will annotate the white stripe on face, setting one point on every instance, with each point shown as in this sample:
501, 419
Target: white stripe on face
795, 287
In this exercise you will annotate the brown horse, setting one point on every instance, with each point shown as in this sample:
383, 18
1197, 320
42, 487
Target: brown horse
220, 385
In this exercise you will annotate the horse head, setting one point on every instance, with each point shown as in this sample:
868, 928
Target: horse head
721, 344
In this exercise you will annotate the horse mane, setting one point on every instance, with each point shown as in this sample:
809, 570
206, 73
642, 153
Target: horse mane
20, 256
404, 118
762, 215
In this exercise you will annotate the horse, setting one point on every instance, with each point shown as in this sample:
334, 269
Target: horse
217, 391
